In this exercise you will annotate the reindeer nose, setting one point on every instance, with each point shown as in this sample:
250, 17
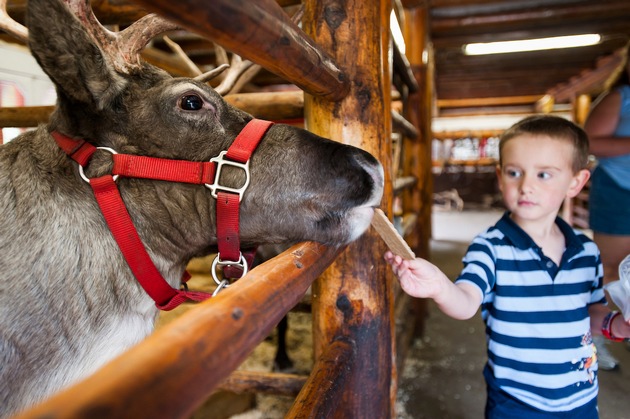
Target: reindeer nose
374, 168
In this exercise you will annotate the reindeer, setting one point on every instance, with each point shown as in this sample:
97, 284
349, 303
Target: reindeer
69, 299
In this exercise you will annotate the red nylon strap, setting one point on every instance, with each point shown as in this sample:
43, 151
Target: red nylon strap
79, 150
163, 169
247, 140
122, 228
228, 233
120, 223
227, 226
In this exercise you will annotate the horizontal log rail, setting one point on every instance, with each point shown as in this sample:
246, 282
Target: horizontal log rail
404, 183
174, 370
24, 116
400, 124
273, 106
262, 32
264, 382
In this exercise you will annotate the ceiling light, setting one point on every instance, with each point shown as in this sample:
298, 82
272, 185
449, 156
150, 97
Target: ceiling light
532, 44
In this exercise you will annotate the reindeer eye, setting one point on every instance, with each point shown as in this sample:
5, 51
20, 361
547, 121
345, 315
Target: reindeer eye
191, 103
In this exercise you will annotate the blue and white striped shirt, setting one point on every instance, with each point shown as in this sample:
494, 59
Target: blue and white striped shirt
540, 348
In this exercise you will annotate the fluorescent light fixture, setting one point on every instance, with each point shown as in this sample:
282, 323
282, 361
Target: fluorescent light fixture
396, 32
532, 44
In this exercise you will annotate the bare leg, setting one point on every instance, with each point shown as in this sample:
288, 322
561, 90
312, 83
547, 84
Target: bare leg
613, 249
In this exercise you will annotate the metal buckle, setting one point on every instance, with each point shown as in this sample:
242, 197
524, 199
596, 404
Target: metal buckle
85, 178
242, 263
215, 187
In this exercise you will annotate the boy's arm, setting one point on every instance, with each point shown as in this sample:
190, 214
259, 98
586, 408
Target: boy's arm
619, 327
420, 278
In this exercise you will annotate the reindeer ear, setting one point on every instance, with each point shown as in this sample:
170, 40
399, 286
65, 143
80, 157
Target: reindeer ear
69, 56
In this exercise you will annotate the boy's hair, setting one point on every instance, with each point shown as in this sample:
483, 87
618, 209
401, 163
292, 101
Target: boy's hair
554, 127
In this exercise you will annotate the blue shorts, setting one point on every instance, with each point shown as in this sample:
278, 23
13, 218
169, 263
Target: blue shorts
501, 405
608, 205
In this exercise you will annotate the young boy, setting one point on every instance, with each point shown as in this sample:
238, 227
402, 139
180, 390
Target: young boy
538, 281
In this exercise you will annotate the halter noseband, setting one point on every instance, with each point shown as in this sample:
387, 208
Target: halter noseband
230, 257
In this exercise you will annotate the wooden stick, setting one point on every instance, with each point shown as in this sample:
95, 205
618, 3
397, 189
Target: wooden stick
390, 236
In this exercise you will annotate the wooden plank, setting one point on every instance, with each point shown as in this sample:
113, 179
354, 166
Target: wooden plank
174, 370
261, 32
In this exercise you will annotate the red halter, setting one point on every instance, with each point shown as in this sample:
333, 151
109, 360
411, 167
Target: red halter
200, 173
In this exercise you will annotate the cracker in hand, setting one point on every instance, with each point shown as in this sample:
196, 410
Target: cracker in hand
390, 236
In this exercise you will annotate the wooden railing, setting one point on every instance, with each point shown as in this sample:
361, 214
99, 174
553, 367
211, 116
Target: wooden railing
173, 371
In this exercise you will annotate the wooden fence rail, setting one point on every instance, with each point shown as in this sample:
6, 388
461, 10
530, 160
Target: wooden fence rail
174, 370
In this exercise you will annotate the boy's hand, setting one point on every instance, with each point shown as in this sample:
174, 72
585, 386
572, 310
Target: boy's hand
418, 277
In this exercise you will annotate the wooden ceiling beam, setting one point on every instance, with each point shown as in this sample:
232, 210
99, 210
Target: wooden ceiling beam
531, 18
593, 81
488, 101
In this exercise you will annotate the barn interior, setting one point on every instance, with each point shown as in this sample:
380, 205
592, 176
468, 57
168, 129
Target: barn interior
434, 128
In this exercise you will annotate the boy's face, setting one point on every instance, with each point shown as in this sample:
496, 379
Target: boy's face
536, 176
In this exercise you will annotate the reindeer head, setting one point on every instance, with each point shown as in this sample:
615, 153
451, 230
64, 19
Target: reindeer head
303, 187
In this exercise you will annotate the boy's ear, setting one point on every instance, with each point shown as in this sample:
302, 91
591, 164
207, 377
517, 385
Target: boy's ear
498, 173
578, 182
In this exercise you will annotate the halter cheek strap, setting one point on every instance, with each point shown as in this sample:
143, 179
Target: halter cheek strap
201, 173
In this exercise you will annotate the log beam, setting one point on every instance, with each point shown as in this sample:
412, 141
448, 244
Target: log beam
264, 383
261, 32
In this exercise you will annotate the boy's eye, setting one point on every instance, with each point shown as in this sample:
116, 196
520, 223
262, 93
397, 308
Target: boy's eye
513, 173
544, 175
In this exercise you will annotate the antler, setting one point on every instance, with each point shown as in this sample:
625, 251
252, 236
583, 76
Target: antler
10, 26
122, 48
241, 71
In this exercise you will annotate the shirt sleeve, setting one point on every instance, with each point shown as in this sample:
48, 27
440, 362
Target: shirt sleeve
479, 266
597, 291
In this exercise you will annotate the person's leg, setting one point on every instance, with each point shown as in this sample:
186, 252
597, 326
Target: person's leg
609, 212
613, 249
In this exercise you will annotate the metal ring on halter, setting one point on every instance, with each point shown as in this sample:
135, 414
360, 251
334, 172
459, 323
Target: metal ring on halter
242, 263
85, 178
225, 283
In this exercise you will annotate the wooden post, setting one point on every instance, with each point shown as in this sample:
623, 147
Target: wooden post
319, 396
417, 151
418, 111
354, 296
